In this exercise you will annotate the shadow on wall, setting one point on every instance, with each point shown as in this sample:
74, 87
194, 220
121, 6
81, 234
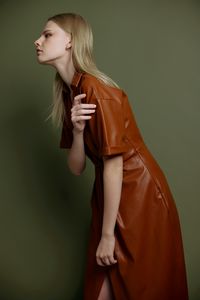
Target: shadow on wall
44, 215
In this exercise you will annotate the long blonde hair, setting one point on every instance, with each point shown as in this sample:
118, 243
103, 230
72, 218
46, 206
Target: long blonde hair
82, 48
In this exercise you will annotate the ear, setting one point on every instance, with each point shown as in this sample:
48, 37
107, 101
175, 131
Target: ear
69, 45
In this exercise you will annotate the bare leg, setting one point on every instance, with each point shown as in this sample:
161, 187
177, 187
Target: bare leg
106, 292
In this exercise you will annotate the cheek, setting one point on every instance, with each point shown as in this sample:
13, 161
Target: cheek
56, 47
53, 49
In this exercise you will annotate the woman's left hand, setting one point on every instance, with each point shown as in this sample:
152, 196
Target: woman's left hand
105, 251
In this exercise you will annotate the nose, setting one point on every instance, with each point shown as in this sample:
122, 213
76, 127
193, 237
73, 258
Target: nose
37, 42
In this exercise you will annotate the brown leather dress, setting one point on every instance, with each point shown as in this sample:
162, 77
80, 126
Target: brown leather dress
148, 246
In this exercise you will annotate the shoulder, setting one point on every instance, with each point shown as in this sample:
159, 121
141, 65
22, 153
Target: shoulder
94, 88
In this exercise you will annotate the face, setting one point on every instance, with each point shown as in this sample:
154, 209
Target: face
53, 45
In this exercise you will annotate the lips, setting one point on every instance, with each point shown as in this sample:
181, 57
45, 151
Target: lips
39, 51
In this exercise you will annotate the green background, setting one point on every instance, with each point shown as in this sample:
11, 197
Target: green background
151, 49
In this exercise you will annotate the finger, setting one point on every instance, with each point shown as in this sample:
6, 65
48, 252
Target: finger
106, 261
87, 105
83, 106
80, 96
99, 262
77, 99
80, 118
83, 112
112, 260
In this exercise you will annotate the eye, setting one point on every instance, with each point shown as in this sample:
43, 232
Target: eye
47, 35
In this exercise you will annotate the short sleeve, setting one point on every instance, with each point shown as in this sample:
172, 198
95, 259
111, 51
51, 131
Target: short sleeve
66, 136
109, 127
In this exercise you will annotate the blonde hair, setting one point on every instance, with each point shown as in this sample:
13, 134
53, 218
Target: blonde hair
82, 48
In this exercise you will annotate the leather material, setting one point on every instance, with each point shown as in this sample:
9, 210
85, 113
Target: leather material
148, 246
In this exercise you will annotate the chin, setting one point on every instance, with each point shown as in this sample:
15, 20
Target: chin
44, 61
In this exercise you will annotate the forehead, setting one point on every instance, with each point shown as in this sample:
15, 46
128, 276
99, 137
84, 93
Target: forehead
50, 25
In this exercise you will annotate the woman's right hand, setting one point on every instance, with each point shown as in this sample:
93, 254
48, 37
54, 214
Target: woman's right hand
80, 113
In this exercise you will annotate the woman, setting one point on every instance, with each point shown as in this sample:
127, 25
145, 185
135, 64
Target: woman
135, 249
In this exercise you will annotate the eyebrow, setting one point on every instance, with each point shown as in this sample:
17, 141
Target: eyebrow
46, 31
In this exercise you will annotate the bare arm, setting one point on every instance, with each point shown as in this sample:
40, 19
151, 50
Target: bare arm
112, 180
76, 155
79, 114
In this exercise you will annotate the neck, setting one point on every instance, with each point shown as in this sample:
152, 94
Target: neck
66, 70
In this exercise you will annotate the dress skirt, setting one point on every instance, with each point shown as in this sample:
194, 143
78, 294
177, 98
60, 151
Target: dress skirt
148, 242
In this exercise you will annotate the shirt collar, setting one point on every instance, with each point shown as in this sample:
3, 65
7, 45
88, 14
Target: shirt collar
76, 79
